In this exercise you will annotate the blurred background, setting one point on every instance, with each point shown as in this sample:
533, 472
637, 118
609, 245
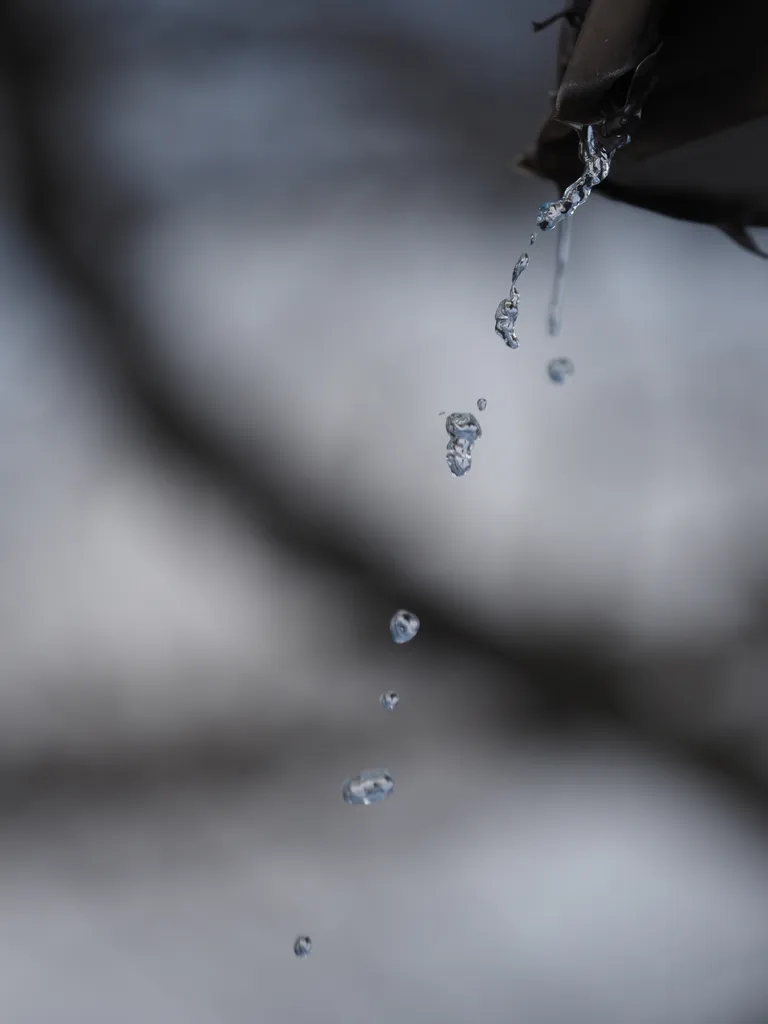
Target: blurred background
248, 254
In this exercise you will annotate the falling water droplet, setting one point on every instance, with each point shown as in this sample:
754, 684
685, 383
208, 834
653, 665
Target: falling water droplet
520, 266
508, 309
463, 426
389, 699
463, 429
560, 370
404, 626
561, 265
482, 404
367, 788
302, 947
459, 459
534, 236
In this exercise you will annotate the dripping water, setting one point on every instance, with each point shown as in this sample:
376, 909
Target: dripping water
596, 156
596, 153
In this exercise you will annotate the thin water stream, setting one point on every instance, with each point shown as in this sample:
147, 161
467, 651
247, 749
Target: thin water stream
596, 153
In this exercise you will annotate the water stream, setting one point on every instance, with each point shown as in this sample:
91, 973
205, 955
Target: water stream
596, 153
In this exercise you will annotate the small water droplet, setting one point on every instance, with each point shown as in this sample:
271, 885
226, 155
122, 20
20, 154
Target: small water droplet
482, 404
389, 699
534, 236
560, 370
302, 947
441, 413
367, 788
404, 626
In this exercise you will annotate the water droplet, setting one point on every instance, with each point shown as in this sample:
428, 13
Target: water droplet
459, 462
441, 413
507, 311
482, 404
463, 426
389, 699
367, 788
520, 266
505, 319
464, 429
302, 947
404, 626
534, 236
561, 265
560, 370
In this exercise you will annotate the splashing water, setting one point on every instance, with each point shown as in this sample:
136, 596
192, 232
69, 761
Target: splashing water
389, 699
302, 947
482, 404
555, 319
367, 788
404, 626
463, 429
560, 370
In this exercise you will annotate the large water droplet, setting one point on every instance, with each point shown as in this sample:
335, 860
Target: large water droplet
404, 626
463, 426
368, 788
560, 370
482, 404
464, 429
302, 947
389, 699
507, 311
459, 462
505, 319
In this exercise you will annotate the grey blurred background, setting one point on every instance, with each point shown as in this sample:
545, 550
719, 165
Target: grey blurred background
248, 252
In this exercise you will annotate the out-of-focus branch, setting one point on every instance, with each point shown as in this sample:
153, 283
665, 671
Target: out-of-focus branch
570, 681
